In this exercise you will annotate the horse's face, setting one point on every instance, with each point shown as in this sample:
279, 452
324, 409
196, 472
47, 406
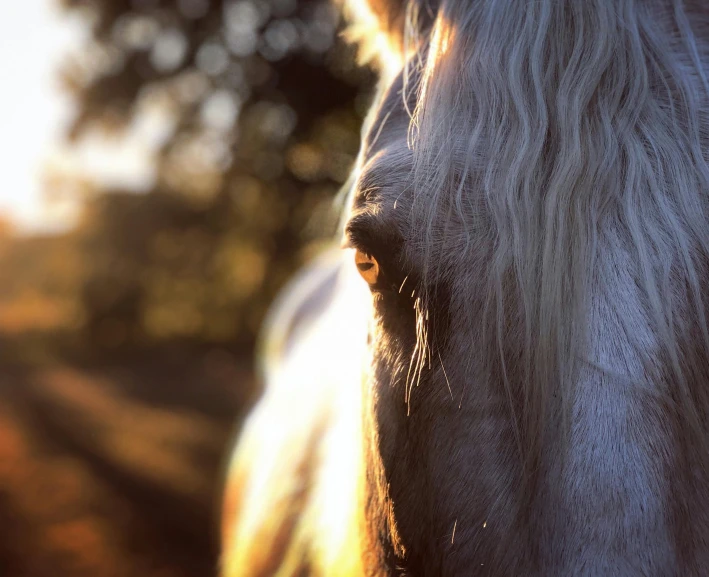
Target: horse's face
443, 462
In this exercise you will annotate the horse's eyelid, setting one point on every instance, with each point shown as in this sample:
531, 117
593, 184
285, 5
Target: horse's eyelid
349, 242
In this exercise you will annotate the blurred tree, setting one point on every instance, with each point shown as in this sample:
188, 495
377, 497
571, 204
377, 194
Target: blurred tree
252, 110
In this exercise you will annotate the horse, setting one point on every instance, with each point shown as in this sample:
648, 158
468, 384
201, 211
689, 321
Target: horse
504, 371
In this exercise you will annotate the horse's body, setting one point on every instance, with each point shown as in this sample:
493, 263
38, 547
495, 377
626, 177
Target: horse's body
532, 191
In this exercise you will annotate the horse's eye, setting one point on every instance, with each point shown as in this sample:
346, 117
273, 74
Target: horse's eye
367, 266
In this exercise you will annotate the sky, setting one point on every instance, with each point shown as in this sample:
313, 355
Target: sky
34, 36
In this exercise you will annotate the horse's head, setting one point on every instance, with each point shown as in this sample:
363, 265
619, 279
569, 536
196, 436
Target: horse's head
498, 220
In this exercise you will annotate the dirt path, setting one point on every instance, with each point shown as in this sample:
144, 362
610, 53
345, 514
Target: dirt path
108, 472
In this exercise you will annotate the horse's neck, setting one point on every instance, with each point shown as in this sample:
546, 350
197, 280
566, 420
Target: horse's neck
623, 485
292, 497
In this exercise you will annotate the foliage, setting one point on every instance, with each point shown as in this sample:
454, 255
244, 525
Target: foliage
251, 110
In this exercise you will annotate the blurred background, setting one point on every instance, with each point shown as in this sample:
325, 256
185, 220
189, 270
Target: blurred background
166, 166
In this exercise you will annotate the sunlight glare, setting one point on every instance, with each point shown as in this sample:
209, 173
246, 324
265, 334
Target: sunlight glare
310, 411
33, 38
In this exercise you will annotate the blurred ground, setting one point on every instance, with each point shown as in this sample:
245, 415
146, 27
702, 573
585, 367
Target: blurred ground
114, 467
